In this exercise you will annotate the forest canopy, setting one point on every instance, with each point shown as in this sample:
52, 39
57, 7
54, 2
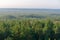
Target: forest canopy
30, 29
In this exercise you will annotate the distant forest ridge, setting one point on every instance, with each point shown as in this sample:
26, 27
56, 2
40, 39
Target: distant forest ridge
18, 13
28, 9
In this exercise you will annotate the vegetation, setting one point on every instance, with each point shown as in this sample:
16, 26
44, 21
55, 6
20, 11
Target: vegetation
30, 29
29, 24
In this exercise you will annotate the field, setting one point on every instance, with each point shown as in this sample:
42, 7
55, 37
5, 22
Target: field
29, 24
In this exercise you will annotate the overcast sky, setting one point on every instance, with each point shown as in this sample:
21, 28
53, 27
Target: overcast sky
30, 4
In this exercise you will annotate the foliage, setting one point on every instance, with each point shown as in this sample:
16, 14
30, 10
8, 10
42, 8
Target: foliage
29, 29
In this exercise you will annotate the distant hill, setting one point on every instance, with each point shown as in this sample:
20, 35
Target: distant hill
28, 10
13, 13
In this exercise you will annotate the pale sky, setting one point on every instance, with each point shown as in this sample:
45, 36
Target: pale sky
30, 4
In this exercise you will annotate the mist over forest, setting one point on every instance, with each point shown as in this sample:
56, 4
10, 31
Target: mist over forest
29, 24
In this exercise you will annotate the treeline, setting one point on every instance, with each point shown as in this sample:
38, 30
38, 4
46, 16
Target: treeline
30, 29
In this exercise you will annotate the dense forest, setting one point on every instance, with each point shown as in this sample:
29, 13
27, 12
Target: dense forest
30, 29
29, 24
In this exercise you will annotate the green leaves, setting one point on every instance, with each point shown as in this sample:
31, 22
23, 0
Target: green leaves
29, 29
